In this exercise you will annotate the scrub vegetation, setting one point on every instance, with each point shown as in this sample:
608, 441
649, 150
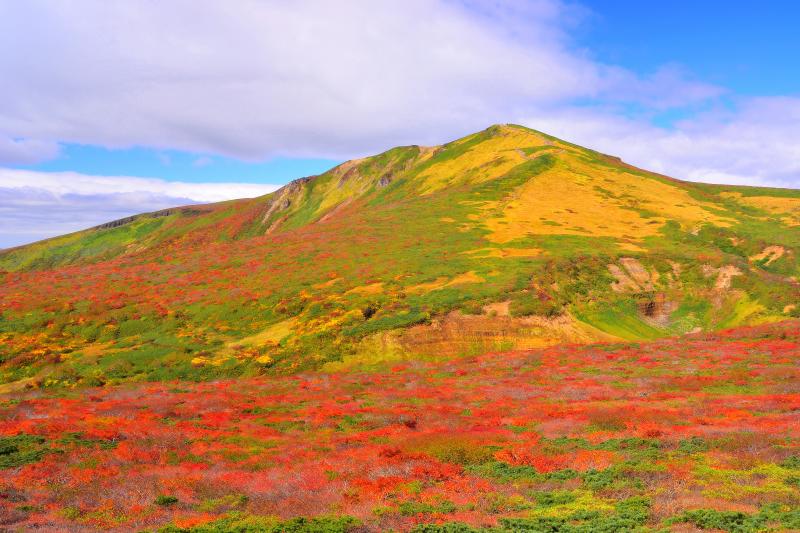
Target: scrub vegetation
329, 267
699, 432
504, 333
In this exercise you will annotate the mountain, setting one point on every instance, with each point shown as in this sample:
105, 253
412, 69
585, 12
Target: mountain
505, 239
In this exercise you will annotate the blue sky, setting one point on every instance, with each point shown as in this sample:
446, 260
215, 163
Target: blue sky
118, 108
749, 48
174, 165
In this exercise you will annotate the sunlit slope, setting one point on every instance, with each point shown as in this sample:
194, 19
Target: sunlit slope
507, 238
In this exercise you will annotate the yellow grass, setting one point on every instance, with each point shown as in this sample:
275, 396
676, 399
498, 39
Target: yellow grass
16, 386
327, 284
372, 288
483, 253
488, 160
274, 333
566, 201
443, 282
790, 207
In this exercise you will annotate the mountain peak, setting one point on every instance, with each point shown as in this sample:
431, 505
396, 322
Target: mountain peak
506, 236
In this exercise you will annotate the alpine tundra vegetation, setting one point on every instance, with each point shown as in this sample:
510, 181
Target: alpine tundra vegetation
507, 238
504, 333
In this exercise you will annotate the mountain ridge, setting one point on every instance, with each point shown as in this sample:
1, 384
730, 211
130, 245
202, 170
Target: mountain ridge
296, 184
506, 238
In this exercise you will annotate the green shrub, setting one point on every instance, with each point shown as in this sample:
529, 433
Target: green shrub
244, 523
30, 508
629, 444
599, 479
77, 439
71, 513
333, 524
223, 503
630, 515
387, 322
456, 451
503, 471
635, 509
20, 450
737, 522
411, 508
792, 462
531, 305
731, 521
166, 500
450, 527
693, 445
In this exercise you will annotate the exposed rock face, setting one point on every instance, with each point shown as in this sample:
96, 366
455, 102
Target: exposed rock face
632, 277
498, 308
186, 211
657, 310
346, 172
281, 200
456, 333
725, 275
769, 255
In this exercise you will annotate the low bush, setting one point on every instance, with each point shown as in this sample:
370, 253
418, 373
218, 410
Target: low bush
244, 523
19, 450
165, 500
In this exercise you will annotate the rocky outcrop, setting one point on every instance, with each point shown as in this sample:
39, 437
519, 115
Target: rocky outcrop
724, 274
185, 211
631, 276
282, 199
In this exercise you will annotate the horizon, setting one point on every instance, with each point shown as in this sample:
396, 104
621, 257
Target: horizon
189, 202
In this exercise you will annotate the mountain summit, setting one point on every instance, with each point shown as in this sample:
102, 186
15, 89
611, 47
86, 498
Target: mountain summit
507, 238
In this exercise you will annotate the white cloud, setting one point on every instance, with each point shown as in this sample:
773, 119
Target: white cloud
64, 183
36, 205
752, 144
25, 151
254, 78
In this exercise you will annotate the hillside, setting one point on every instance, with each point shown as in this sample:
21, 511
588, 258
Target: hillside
504, 239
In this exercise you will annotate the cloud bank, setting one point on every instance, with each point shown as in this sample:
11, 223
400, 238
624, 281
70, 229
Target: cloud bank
36, 205
253, 79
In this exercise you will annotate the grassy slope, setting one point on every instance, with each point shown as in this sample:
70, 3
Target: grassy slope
341, 265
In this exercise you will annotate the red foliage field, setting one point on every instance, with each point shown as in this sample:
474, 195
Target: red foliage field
704, 422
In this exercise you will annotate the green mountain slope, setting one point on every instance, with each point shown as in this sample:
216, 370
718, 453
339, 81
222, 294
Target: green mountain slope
507, 238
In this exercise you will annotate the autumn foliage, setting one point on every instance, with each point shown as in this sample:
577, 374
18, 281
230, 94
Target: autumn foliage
693, 431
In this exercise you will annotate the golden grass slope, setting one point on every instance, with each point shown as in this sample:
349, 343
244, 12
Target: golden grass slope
578, 198
487, 160
788, 207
